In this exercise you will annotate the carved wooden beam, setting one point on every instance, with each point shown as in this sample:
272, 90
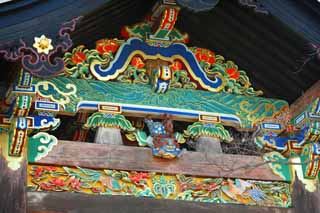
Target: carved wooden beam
298, 105
102, 156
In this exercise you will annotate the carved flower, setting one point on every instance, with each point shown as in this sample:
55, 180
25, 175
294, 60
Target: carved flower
137, 62
38, 172
75, 184
95, 190
42, 44
205, 55
136, 178
176, 65
78, 57
233, 73
45, 186
51, 168
107, 46
57, 182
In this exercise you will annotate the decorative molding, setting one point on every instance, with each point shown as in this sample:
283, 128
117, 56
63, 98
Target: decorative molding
214, 130
100, 119
40, 145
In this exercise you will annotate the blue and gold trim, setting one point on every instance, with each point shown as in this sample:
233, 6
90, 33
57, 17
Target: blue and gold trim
135, 46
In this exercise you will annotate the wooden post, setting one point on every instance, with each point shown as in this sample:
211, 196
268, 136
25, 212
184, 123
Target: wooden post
208, 144
108, 136
304, 201
13, 183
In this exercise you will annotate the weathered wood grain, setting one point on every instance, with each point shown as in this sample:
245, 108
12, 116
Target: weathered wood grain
303, 101
101, 156
304, 201
65, 202
13, 186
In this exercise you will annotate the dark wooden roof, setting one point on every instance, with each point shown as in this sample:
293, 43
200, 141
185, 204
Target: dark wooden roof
270, 51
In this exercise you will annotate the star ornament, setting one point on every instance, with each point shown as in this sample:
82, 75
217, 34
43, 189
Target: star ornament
42, 44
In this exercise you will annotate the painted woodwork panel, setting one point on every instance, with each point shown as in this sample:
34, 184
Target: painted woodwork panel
159, 186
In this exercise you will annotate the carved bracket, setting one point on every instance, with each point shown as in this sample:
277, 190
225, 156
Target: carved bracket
297, 151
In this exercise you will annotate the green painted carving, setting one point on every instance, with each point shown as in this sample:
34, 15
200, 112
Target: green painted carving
40, 145
198, 129
100, 119
141, 137
134, 75
314, 130
312, 167
182, 80
77, 62
163, 187
70, 92
58, 91
279, 164
236, 81
179, 137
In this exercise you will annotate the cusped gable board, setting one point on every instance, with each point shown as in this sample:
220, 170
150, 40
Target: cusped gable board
129, 61
175, 51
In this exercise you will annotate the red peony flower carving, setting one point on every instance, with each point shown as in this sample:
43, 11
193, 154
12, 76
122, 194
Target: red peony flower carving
57, 182
176, 65
95, 190
38, 172
78, 57
233, 73
45, 186
137, 62
106, 46
75, 184
136, 178
124, 32
205, 55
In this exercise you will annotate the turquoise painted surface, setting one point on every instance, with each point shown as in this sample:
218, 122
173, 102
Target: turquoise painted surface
71, 91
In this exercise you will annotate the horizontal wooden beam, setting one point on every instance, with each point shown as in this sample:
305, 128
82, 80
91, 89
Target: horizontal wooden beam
66, 202
303, 101
103, 156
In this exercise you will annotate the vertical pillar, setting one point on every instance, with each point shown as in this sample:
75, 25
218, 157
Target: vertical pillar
108, 136
208, 144
13, 181
304, 201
